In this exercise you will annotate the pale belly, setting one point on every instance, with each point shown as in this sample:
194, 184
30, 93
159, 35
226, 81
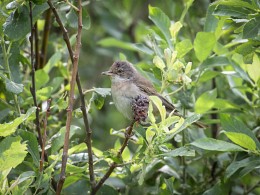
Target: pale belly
123, 93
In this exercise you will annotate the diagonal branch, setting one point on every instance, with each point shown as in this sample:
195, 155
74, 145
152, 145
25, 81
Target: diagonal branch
129, 131
81, 95
71, 96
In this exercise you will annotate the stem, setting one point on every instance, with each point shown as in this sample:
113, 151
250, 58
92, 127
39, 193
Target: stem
83, 105
129, 131
71, 100
32, 88
45, 122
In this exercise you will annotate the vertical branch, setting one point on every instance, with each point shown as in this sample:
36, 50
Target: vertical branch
71, 99
81, 95
32, 88
45, 38
45, 121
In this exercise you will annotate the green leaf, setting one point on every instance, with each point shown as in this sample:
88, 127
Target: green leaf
150, 114
159, 63
158, 103
211, 22
182, 151
103, 91
162, 21
175, 28
253, 69
32, 145
222, 104
98, 100
112, 42
208, 75
240, 71
206, 101
218, 188
242, 140
183, 47
237, 3
235, 166
56, 58
86, 19
58, 139
183, 124
22, 183
149, 134
39, 2
13, 87
56, 83
203, 44
44, 93
41, 78
238, 12
12, 152
72, 18
232, 124
251, 28
17, 24
9, 128
215, 61
216, 145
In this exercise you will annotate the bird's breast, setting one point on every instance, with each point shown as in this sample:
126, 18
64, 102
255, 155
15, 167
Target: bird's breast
123, 92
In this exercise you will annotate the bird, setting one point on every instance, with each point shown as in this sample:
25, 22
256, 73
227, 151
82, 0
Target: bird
127, 83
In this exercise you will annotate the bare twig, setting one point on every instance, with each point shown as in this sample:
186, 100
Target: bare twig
45, 122
71, 100
81, 95
46, 32
129, 131
32, 88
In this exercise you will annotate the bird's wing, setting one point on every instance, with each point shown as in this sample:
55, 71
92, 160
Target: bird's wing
147, 87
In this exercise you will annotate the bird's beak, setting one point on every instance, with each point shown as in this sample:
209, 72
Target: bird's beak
108, 73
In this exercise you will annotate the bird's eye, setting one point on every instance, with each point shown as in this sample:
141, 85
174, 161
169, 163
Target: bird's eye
120, 70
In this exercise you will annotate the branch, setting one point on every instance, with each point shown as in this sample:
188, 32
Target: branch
81, 95
45, 122
129, 131
32, 88
71, 100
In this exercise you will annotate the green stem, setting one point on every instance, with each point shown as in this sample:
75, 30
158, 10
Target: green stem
6, 55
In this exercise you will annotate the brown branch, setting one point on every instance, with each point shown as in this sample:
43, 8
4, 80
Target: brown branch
46, 32
81, 95
71, 100
32, 88
45, 122
129, 131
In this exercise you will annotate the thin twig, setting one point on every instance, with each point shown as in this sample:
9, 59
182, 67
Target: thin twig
114, 164
32, 88
45, 122
81, 95
71, 100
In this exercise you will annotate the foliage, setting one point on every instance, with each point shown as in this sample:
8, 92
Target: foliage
202, 57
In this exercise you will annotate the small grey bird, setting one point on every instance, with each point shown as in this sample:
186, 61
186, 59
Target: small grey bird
127, 83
